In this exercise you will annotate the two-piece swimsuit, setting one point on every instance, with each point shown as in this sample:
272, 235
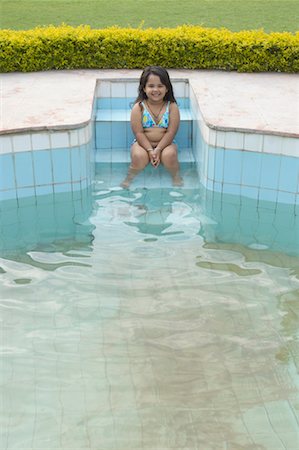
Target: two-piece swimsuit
148, 121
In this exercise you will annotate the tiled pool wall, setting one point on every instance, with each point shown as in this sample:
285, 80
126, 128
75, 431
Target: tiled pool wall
243, 163
44, 162
255, 165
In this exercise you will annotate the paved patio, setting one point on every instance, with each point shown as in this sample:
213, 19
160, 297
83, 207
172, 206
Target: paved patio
261, 102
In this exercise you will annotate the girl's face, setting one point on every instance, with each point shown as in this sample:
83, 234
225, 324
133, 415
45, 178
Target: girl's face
154, 89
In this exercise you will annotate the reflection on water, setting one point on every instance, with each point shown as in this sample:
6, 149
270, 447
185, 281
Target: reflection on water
161, 318
226, 219
45, 224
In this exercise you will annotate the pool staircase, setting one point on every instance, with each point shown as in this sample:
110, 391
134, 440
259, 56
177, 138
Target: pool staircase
113, 134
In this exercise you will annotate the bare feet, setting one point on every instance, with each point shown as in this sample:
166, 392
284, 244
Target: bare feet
126, 183
129, 178
177, 180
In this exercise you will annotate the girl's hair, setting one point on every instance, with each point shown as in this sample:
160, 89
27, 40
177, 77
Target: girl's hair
164, 78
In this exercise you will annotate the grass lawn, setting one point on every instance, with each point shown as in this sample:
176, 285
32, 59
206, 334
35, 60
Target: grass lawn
271, 15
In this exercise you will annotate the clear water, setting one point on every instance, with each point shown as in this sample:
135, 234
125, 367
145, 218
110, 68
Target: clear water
154, 318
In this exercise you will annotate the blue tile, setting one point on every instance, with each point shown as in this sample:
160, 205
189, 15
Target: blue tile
130, 135
120, 115
232, 166
24, 169
289, 172
61, 165
75, 164
233, 189
44, 190
210, 185
10, 215
120, 103
218, 186
103, 155
104, 115
25, 192
7, 173
63, 187
42, 167
84, 184
270, 169
269, 195
250, 192
119, 136
251, 168
83, 162
119, 155
219, 164
10, 194
183, 136
286, 197
104, 103
183, 102
103, 135
211, 163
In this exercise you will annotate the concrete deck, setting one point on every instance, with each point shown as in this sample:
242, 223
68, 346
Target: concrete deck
263, 102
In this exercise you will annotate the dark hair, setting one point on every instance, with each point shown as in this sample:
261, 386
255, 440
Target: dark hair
164, 78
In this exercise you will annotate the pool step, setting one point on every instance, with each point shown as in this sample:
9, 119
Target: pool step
122, 155
113, 129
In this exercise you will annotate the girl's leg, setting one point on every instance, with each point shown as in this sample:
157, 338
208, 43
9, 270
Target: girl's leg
139, 159
169, 159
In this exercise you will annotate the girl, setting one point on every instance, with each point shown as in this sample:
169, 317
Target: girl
155, 120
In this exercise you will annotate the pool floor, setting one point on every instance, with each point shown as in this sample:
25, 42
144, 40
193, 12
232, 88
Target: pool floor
150, 327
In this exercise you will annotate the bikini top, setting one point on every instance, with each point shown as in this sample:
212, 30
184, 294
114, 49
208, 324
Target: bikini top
148, 121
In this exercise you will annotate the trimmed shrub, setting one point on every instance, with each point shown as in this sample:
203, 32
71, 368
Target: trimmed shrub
184, 47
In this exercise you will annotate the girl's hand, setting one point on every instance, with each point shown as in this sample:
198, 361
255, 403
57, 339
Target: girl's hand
155, 157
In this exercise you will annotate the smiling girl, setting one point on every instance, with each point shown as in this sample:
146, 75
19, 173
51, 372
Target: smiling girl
155, 119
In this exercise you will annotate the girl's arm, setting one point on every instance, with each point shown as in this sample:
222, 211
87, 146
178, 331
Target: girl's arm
137, 128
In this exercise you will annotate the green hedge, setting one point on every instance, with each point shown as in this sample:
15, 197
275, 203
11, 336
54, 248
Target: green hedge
187, 47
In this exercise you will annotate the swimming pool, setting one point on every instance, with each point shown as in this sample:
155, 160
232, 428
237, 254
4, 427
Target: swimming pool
156, 317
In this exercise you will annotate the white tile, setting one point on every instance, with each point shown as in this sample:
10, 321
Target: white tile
205, 160
290, 146
193, 99
205, 132
59, 139
187, 89
118, 89
88, 133
5, 144
253, 142
196, 112
40, 141
82, 136
132, 89
201, 125
104, 89
74, 138
21, 142
212, 137
272, 144
220, 138
234, 140
179, 88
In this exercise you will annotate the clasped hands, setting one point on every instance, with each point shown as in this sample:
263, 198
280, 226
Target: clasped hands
155, 156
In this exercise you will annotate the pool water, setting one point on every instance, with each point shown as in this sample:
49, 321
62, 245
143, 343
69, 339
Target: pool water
149, 318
